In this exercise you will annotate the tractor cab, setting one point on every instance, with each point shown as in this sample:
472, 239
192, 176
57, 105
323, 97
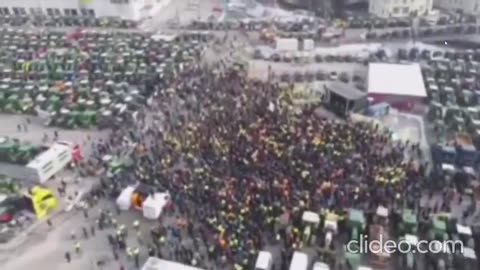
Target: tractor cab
379, 229
409, 222
381, 216
408, 260
464, 233
439, 227
357, 224
330, 228
353, 258
311, 222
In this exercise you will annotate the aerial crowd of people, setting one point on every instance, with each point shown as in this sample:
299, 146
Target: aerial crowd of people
242, 165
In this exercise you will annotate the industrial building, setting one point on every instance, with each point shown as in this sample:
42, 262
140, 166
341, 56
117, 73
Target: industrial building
134, 10
465, 6
317, 6
399, 8
400, 85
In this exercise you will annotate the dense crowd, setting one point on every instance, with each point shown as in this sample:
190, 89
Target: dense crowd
242, 165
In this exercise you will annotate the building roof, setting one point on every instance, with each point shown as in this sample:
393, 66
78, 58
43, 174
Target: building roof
345, 90
396, 79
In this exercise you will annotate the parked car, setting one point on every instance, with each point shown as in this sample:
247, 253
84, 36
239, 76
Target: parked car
275, 57
285, 77
298, 77
7, 213
309, 76
318, 58
333, 76
320, 75
344, 77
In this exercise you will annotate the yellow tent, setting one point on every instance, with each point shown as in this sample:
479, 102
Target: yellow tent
44, 201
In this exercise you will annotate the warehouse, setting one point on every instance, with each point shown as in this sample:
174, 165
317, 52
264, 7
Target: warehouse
398, 9
400, 85
134, 10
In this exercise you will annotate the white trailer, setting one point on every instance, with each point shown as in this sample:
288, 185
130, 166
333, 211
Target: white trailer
286, 44
50, 162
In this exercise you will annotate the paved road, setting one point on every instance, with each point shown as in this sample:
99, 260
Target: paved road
36, 130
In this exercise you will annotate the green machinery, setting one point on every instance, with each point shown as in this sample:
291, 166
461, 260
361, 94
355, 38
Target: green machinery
12, 151
8, 150
116, 164
408, 228
439, 228
77, 119
8, 185
45, 83
357, 224
353, 259
409, 223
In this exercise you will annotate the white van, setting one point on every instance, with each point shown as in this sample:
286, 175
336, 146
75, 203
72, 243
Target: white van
264, 261
299, 261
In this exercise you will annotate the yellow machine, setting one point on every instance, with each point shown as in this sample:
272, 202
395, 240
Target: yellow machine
43, 200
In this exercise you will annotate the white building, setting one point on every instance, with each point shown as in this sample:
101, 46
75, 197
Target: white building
466, 6
399, 8
125, 9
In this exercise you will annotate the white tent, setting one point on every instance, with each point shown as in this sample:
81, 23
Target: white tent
382, 211
153, 206
396, 79
299, 261
411, 239
462, 229
264, 260
469, 253
124, 200
154, 263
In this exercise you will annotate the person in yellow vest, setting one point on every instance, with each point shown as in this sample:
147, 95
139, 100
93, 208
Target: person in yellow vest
129, 253
136, 225
77, 247
136, 257
162, 240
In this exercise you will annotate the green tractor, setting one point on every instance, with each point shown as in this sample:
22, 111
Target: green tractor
8, 186
115, 164
353, 258
357, 224
8, 150
26, 153
438, 229
12, 104
87, 119
54, 103
436, 111
409, 223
